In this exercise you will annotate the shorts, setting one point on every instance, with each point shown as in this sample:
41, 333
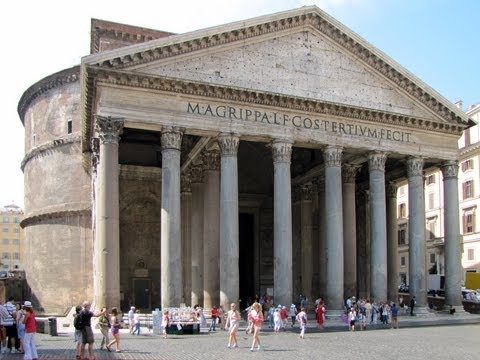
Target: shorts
77, 336
3, 333
352, 322
11, 331
21, 330
114, 330
87, 335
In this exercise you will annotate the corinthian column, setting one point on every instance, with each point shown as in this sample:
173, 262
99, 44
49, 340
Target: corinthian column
453, 246
197, 234
186, 208
170, 243
416, 231
378, 225
349, 173
392, 242
306, 231
282, 222
334, 226
229, 250
211, 235
107, 239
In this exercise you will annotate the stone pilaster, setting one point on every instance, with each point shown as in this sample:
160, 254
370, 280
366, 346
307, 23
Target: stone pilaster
282, 222
364, 243
322, 243
196, 234
307, 237
229, 237
392, 242
378, 225
349, 173
334, 226
416, 231
211, 228
107, 239
453, 239
171, 236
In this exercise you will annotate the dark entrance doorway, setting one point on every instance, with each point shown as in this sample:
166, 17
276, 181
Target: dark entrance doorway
141, 293
246, 258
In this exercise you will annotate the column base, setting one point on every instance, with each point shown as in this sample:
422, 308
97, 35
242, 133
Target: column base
334, 314
421, 311
459, 311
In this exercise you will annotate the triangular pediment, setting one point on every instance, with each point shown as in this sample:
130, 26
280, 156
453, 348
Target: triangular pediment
303, 53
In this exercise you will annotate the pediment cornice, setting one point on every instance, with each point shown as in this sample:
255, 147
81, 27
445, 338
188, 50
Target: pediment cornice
307, 17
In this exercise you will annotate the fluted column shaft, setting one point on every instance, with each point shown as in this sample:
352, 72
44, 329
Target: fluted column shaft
306, 231
378, 225
171, 236
282, 222
197, 234
186, 208
334, 226
453, 242
322, 242
392, 242
416, 231
107, 239
229, 238
349, 173
211, 233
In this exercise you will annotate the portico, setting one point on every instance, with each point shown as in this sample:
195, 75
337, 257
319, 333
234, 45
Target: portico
271, 133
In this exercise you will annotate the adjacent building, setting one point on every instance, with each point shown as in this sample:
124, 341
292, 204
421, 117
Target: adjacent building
11, 246
260, 156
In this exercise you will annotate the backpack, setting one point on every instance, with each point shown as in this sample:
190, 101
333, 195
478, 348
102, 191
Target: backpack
78, 322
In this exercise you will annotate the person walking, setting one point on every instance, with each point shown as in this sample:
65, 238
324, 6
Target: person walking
85, 317
30, 330
302, 320
131, 315
413, 302
394, 311
277, 320
320, 315
256, 317
9, 322
136, 322
352, 315
233, 319
20, 326
104, 323
116, 325
293, 313
214, 316
165, 322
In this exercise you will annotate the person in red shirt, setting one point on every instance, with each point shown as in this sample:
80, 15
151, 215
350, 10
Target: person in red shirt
213, 325
284, 316
30, 330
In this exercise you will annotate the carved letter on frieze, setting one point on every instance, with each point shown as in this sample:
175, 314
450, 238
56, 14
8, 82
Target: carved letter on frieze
332, 155
349, 173
108, 129
172, 139
228, 144
450, 169
414, 166
281, 151
391, 190
376, 161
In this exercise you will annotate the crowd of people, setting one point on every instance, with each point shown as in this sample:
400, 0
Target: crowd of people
17, 329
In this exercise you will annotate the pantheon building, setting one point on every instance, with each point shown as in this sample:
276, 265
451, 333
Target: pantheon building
256, 157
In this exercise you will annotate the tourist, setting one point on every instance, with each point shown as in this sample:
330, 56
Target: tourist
293, 313
277, 319
87, 334
214, 316
271, 320
165, 322
77, 335
394, 311
136, 323
413, 302
352, 315
233, 318
256, 317
20, 325
9, 322
30, 330
131, 315
116, 325
302, 320
284, 315
104, 324
320, 314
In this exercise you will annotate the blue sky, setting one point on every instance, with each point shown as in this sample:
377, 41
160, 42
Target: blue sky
436, 40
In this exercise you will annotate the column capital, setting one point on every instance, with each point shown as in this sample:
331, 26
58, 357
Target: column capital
349, 173
282, 151
196, 174
211, 159
450, 169
414, 166
228, 143
109, 129
332, 155
391, 190
306, 191
172, 139
376, 161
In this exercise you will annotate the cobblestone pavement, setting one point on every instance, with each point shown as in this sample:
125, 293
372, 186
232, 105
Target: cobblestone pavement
459, 340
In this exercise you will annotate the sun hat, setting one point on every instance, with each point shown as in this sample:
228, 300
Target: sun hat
27, 304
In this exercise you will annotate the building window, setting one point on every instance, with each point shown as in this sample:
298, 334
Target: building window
471, 254
431, 179
431, 201
468, 221
431, 227
402, 211
5, 219
69, 126
402, 261
16, 241
5, 230
16, 256
16, 220
401, 236
467, 189
432, 258
5, 241
5, 255
467, 165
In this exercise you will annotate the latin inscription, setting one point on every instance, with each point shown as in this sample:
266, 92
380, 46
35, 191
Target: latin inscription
298, 121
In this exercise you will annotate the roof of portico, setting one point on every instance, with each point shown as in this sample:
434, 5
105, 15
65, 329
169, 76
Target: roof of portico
116, 67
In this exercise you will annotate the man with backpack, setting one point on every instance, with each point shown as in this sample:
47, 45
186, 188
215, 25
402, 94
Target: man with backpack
82, 322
